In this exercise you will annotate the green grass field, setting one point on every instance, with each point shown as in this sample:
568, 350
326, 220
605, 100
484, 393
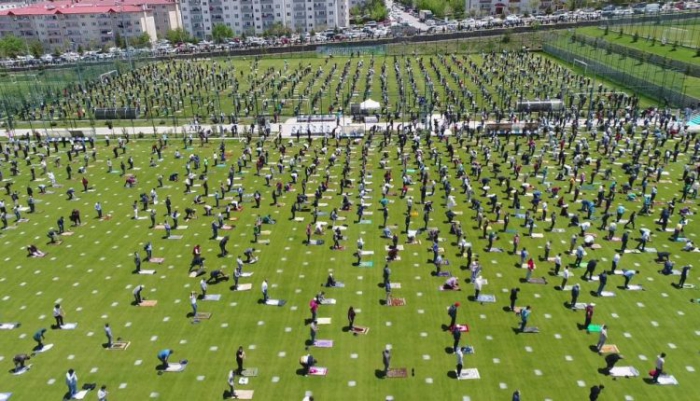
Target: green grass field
172, 93
681, 53
90, 273
650, 73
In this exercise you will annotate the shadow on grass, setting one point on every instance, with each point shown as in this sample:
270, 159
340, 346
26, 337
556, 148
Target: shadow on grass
452, 374
449, 350
379, 374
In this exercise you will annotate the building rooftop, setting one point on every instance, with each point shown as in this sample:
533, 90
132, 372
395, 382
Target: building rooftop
83, 7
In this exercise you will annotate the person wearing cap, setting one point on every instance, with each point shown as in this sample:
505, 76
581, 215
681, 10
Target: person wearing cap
452, 312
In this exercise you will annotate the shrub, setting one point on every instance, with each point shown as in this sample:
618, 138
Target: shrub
635, 37
606, 31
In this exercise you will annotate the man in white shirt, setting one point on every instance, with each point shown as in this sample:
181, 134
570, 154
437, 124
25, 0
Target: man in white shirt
102, 394
660, 361
460, 362
264, 290
231, 381
203, 286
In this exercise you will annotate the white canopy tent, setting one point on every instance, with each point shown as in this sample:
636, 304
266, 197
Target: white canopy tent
369, 104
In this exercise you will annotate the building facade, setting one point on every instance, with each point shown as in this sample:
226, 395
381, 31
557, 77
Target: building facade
254, 17
500, 7
91, 23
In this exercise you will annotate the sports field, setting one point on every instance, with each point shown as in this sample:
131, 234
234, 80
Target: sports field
91, 274
172, 93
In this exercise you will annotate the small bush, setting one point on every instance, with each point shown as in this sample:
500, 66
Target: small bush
675, 46
161, 122
635, 37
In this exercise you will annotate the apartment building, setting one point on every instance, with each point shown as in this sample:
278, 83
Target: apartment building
89, 23
253, 17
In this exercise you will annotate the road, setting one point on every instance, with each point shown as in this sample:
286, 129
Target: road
406, 17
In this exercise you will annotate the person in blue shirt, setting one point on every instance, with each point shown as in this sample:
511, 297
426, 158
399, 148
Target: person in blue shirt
164, 355
524, 316
39, 337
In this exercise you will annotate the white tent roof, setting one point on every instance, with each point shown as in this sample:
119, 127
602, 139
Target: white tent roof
369, 104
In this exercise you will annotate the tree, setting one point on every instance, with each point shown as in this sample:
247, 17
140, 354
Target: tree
12, 46
221, 32
277, 30
143, 40
36, 48
177, 35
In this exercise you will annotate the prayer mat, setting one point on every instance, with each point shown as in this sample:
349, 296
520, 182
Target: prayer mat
156, 260
444, 274
537, 235
594, 328
316, 242
328, 301
318, 371
634, 287
148, 272
668, 380
250, 372
149, 303
212, 297
463, 328
21, 371
398, 373
119, 345
339, 284
45, 348
365, 221
176, 367
67, 233
243, 395
469, 374
609, 348
323, 320
275, 302
398, 302
80, 395
360, 330
366, 253
468, 350
264, 241
9, 326
607, 294
244, 287
246, 274
69, 326
368, 263
537, 280
531, 330
486, 298
203, 316
323, 343
175, 237
624, 371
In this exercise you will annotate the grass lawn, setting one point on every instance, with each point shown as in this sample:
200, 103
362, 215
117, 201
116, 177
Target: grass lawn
651, 73
682, 53
90, 274
172, 93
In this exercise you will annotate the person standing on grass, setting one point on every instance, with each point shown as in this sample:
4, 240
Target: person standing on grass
460, 362
193, 302
602, 338
58, 314
684, 276
102, 394
628, 274
351, 318
452, 313
386, 359
456, 336
203, 285
602, 280
240, 356
513, 297
524, 317
137, 261
108, 333
387, 289
231, 381
163, 357
516, 395
98, 209
660, 361
595, 392
566, 275
149, 250
313, 331
264, 291
137, 294
72, 382
575, 291
589, 315
39, 338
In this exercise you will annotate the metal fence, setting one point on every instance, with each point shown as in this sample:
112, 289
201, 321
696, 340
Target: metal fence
666, 86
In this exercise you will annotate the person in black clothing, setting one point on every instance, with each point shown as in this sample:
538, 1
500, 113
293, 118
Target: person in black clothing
513, 297
595, 392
